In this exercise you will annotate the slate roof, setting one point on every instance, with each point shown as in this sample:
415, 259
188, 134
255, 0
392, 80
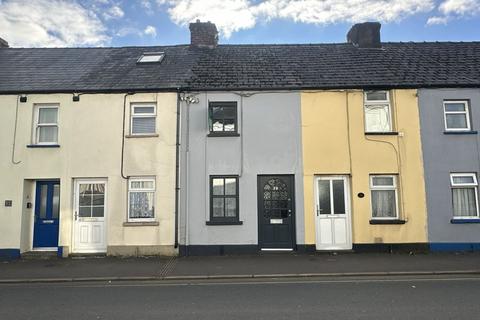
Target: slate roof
444, 64
92, 69
241, 67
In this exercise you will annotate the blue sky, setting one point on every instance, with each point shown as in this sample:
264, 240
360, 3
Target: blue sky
36, 23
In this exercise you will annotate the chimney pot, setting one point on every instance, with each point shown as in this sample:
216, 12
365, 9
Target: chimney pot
203, 34
3, 43
365, 35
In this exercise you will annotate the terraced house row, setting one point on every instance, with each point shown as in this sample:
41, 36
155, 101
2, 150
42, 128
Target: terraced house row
215, 149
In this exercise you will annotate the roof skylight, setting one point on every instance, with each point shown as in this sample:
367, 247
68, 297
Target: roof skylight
151, 57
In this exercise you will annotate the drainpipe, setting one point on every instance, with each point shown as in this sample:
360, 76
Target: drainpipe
177, 168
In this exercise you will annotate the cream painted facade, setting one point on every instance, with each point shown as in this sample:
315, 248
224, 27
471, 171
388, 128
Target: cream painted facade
90, 139
335, 143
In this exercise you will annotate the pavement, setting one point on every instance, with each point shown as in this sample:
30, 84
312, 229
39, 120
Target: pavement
272, 265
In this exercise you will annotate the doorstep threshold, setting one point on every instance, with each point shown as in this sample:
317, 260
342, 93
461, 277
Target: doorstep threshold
45, 249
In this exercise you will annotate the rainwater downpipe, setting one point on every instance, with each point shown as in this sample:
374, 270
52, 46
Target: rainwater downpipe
241, 137
177, 168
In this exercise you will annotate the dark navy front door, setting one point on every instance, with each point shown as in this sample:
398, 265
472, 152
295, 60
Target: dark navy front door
47, 208
276, 212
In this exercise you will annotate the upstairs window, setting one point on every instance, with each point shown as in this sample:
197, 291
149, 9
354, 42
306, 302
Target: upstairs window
384, 196
46, 125
143, 119
464, 195
378, 115
457, 116
222, 118
141, 199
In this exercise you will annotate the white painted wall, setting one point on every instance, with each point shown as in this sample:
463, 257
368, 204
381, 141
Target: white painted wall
90, 137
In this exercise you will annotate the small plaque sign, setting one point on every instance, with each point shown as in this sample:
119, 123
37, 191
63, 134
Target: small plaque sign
276, 221
8, 203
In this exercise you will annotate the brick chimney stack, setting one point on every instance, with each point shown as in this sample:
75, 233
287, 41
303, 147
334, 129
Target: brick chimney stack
203, 34
365, 35
3, 43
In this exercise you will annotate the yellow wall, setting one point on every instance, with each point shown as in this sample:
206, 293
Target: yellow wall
326, 134
90, 137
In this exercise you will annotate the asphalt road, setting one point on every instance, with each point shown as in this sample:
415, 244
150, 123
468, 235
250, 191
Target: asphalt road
342, 298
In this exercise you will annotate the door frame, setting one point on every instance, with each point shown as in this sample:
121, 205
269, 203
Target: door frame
294, 213
35, 199
348, 201
76, 183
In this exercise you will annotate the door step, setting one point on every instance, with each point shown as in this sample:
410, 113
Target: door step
39, 255
87, 255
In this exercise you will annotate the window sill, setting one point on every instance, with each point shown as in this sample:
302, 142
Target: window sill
224, 223
387, 221
461, 132
393, 133
43, 146
142, 136
141, 224
461, 221
235, 134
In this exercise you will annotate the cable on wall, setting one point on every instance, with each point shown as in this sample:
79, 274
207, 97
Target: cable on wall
123, 135
15, 134
397, 155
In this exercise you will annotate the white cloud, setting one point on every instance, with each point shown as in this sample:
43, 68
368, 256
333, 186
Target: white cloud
460, 7
229, 15
150, 31
437, 20
126, 31
146, 4
454, 9
234, 15
334, 11
114, 12
50, 23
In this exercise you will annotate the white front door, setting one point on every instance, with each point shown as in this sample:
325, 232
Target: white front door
90, 216
332, 216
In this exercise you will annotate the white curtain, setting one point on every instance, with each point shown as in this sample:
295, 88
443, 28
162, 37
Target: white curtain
383, 204
464, 202
141, 205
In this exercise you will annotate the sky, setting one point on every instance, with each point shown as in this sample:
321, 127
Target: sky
88, 23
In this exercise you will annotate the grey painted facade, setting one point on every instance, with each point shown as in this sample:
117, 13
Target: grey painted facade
269, 142
444, 154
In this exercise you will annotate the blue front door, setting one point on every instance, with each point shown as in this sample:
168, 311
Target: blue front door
47, 209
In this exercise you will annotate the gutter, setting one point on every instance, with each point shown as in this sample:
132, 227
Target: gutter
280, 88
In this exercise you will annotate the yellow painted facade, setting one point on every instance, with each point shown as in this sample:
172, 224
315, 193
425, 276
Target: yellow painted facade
334, 143
90, 139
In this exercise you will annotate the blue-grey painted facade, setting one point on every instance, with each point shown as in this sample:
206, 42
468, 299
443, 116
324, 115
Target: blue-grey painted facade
444, 154
269, 143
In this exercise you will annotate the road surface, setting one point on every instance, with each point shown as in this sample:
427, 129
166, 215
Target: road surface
437, 297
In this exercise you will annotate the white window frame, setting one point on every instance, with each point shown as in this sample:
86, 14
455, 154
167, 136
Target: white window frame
36, 125
130, 190
466, 113
386, 188
142, 115
372, 103
454, 185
